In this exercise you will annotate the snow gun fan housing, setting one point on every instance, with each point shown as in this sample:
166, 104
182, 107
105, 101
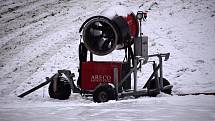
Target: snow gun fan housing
103, 34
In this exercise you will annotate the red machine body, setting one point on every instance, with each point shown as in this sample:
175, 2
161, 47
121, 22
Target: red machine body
94, 73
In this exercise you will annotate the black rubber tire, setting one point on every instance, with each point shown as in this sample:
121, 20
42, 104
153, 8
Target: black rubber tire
104, 93
165, 83
63, 87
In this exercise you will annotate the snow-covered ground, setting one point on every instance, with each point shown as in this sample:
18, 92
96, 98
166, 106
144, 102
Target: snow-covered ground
165, 108
39, 37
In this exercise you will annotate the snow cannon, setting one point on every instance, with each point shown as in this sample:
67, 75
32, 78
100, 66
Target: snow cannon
105, 80
109, 31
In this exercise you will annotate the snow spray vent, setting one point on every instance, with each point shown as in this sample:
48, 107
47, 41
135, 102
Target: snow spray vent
103, 34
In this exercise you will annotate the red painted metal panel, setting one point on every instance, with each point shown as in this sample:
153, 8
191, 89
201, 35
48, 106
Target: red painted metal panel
94, 73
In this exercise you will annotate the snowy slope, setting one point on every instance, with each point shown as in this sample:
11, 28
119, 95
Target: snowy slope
45, 44
186, 30
39, 37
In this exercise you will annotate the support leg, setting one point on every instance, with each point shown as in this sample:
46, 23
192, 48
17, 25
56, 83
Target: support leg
135, 74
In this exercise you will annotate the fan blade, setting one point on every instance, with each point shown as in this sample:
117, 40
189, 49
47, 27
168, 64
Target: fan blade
97, 26
106, 44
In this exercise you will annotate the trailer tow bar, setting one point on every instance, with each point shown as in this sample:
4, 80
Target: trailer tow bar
48, 80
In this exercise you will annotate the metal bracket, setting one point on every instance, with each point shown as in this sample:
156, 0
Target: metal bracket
116, 81
70, 76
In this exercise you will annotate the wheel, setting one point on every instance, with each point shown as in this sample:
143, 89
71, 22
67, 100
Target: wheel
63, 90
166, 83
153, 86
104, 93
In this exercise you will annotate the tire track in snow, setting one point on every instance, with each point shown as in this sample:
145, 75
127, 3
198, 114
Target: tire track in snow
21, 6
24, 70
23, 15
13, 53
15, 42
43, 26
25, 66
33, 50
29, 14
65, 58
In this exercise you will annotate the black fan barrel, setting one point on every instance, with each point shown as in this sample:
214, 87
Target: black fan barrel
102, 35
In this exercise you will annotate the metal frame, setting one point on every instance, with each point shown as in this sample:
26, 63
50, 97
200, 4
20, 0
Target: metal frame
118, 83
157, 72
145, 92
